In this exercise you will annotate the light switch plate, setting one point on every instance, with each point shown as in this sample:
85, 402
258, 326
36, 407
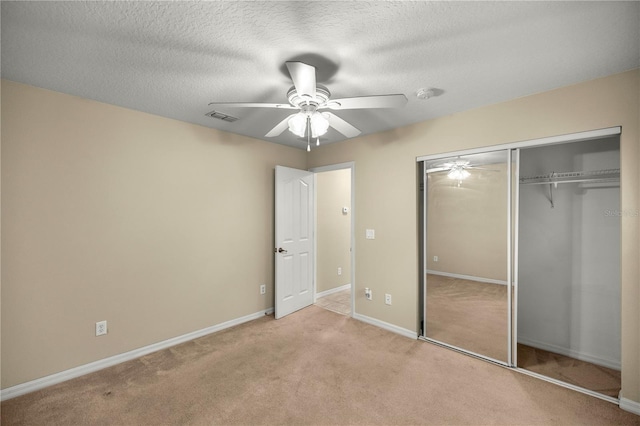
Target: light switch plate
370, 234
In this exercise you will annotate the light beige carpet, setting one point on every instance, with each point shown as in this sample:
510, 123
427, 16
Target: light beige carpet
570, 370
313, 367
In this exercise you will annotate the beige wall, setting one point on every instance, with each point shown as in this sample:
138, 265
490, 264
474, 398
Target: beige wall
158, 226
385, 190
113, 214
334, 229
467, 224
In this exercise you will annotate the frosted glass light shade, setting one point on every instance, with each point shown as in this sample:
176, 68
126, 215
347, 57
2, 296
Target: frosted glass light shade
298, 124
319, 125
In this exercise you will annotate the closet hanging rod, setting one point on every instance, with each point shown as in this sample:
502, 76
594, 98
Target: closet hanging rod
596, 176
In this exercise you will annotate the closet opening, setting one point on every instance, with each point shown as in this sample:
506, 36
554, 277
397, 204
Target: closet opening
569, 264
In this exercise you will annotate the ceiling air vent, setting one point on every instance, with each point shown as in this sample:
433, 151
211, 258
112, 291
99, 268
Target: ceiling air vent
221, 116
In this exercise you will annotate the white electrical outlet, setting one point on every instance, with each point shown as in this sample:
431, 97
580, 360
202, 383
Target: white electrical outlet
435, 258
263, 289
101, 328
387, 299
339, 270
368, 293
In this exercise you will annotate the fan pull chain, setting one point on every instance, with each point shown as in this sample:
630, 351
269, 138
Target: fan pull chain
308, 134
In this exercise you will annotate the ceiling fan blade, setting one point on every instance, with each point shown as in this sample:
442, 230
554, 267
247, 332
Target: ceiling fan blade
377, 101
342, 126
280, 127
304, 78
250, 105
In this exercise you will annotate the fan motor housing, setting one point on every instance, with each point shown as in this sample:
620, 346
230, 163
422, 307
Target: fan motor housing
322, 96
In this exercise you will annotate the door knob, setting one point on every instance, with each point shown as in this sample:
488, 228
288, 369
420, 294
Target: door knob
281, 250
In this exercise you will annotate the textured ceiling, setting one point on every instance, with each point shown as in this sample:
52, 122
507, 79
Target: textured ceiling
173, 58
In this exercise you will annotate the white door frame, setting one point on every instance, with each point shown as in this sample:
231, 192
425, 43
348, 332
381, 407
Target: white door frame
341, 166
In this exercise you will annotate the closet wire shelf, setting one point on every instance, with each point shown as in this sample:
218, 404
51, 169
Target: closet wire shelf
596, 176
553, 179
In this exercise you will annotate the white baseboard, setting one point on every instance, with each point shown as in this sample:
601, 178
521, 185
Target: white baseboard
630, 406
387, 326
81, 370
467, 277
570, 353
333, 290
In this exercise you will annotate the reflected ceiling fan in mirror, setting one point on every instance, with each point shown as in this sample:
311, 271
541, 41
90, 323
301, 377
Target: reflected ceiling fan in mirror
309, 97
457, 169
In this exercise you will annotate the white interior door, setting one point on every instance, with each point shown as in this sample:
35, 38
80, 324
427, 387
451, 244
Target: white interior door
294, 225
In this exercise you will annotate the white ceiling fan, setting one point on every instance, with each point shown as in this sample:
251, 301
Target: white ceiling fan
309, 97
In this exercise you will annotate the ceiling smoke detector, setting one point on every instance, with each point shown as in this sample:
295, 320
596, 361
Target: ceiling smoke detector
425, 94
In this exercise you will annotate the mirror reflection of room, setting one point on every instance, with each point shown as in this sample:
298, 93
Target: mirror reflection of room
466, 280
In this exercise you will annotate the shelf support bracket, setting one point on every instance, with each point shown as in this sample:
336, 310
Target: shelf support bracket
551, 187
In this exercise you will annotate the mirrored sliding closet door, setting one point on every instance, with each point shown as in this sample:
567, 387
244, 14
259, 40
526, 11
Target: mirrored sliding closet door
467, 216
521, 254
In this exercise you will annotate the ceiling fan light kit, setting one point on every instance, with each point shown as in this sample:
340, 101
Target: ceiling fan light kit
309, 97
307, 120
